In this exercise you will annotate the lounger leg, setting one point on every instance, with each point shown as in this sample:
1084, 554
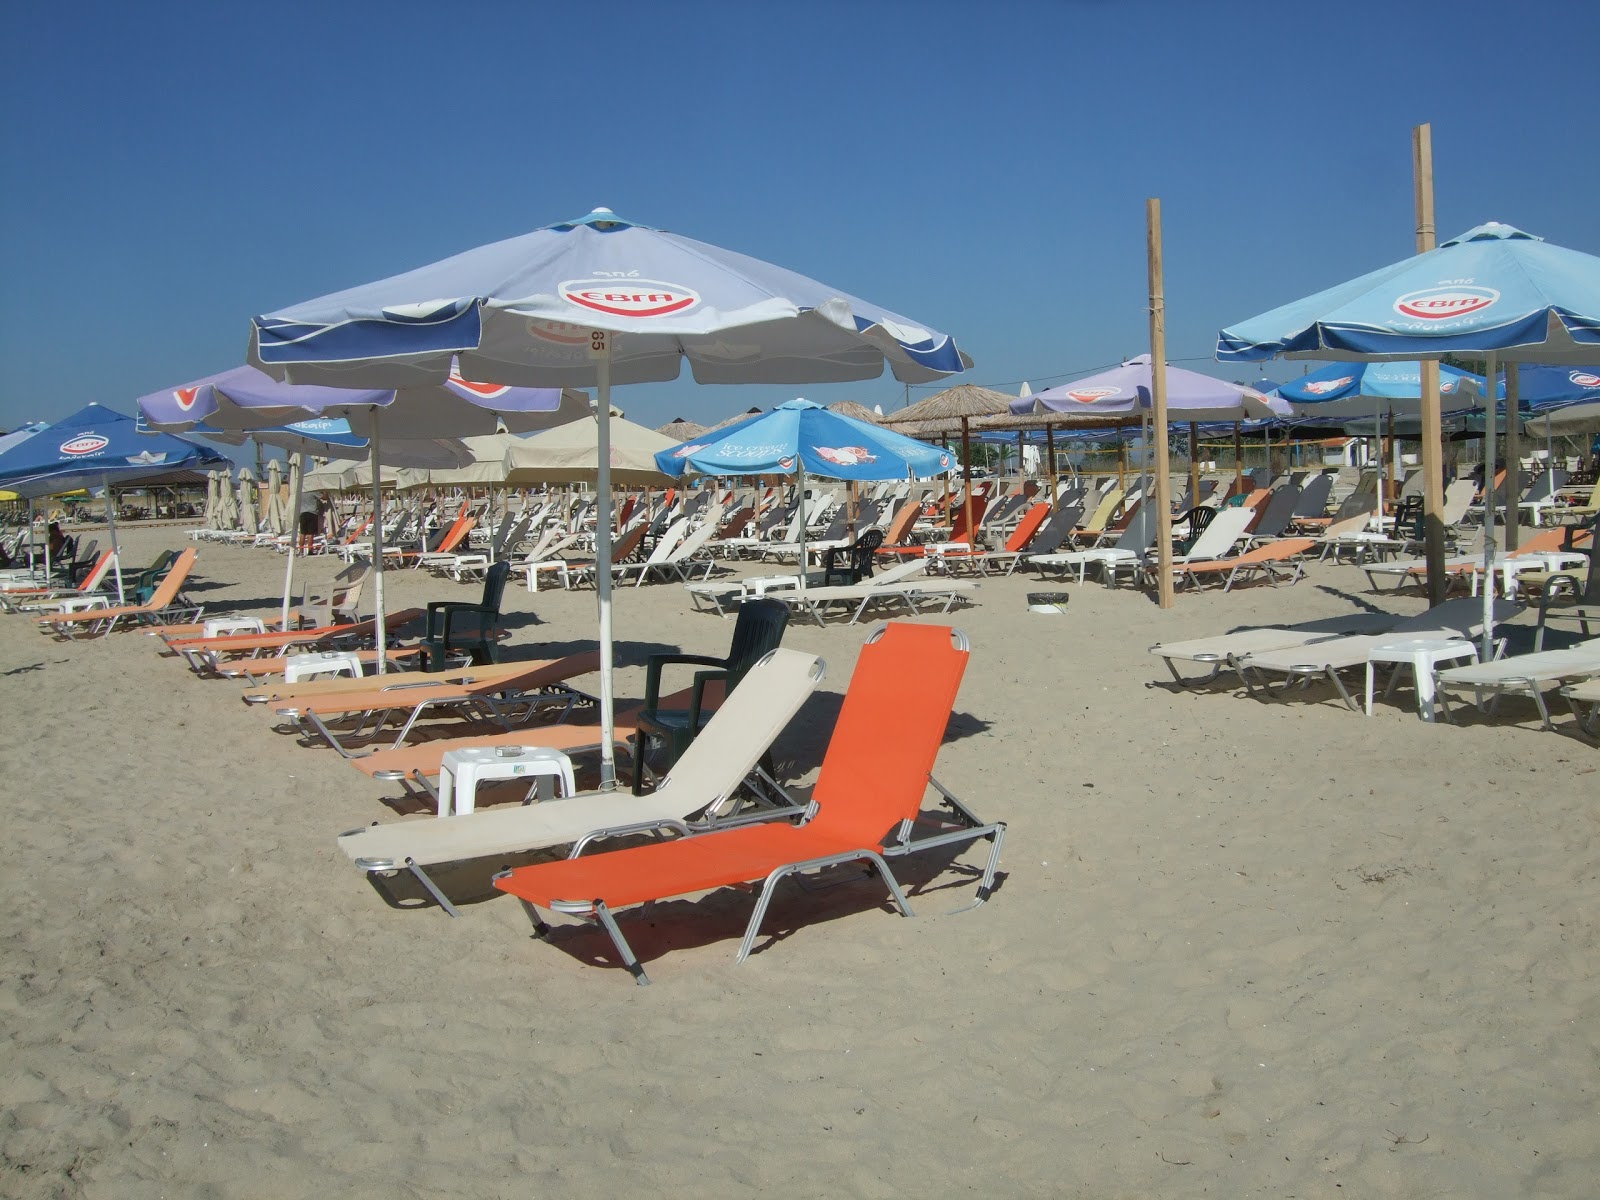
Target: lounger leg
609, 922
772, 880
433, 889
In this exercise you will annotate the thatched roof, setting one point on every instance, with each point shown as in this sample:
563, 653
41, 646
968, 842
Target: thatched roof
736, 418
849, 408
963, 400
680, 430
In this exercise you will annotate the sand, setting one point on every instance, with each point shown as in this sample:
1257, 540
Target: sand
1239, 948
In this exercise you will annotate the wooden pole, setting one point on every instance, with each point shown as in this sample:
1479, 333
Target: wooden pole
966, 466
1513, 458
1050, 452
1238, 459
1432, 431
1122, 463
1158, 403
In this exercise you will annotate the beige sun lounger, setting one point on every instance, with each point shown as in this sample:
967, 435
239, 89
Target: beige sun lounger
1461, 618
1216, 651
1586, 693
164, 605
1526, 674
701, 789
308, 689
505, 699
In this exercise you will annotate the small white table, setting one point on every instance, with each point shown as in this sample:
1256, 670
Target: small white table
315, 664
556, 566
461, 771
1423, 653
223, 626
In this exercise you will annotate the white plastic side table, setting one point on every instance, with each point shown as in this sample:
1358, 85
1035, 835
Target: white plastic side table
461, 771
1423, 654
317, 663
557, 566
222, 626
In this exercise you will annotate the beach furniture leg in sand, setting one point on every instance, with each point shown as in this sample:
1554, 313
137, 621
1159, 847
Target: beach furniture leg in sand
703, 790
864, 808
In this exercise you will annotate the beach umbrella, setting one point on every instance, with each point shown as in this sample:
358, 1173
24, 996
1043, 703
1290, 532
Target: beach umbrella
679, 429
274, 517
1495, 292
856, 412
799, 437
17, 436
571, 454
1564, 400
752, 411
227, 503
589, 302
96, 447
1124, 391
246, 399
960, 404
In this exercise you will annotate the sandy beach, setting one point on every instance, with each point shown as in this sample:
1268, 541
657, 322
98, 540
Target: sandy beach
1239, 948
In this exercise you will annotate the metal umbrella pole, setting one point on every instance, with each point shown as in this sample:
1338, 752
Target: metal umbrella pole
111, 530
600, 350
380, 629
1489, 370
299, 473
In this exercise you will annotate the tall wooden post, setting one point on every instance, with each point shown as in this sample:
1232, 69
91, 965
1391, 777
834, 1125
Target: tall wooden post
1050, 453
1158, 403
1194, 464
1432, 426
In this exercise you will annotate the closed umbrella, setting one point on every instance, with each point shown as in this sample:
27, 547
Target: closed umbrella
591, 302
276, 505
247, 501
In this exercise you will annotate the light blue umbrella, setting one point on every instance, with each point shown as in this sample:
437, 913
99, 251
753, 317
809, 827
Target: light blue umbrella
1562, 399
246, 399
1494, 291
1125, 391
1362, 389
800, 438
591, 302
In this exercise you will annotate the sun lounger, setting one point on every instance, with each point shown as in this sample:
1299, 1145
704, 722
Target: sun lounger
910, 592
1585, 701
206, 656
1277, 562
1525, 674
703, 788
1459, 619
867, 801
166, 604
1216, 651
293, 693
504, 699
256, 671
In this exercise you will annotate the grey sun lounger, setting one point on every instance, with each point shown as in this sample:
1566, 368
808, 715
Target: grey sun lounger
699, 792
1525, 674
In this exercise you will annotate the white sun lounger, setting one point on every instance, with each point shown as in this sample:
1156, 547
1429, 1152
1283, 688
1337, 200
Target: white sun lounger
700, 788
1215, 651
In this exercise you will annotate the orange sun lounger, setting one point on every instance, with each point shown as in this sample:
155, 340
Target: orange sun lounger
205, 654
867, 799
97, 622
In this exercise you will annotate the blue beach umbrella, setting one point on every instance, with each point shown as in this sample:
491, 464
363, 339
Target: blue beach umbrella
1494, 291
588, 303
1363, 389
800, 438
96, 447
1562, 399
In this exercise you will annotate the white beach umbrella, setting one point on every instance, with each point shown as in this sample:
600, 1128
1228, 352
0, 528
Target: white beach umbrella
247, 501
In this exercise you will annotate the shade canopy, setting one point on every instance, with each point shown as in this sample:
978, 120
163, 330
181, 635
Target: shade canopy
331, 437
964, 400
1125, 391
1494, 289
571, 454
800, 435
679, 429
1561, 401
1361, 389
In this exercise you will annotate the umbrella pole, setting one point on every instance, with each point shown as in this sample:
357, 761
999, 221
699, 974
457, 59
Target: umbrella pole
379, 627
1432, 431
802, 485
1238, 459
1513, 459
600, 350
1489, 371
111, 530
294, 544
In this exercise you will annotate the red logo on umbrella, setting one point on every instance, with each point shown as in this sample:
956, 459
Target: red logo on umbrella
1091, 394
559, 332
485, 391
85, 443
629, 297
846, 456
186, 397
1585, 379
1445, 303
1322, 387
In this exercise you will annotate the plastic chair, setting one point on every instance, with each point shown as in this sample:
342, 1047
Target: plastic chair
858, 565
758, 629
444, 638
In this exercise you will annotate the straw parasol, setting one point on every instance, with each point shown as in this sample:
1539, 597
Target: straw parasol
752, 411
960, 404
858, 412
681, 430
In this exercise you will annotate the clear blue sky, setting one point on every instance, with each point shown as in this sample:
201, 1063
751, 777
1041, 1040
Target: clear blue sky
173, 168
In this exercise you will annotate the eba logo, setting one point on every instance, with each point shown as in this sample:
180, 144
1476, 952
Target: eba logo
559, 332
1322, 387
629, 297
1445, 303
1090, 395
1585, 379
85, 443
483, 391
186, 397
